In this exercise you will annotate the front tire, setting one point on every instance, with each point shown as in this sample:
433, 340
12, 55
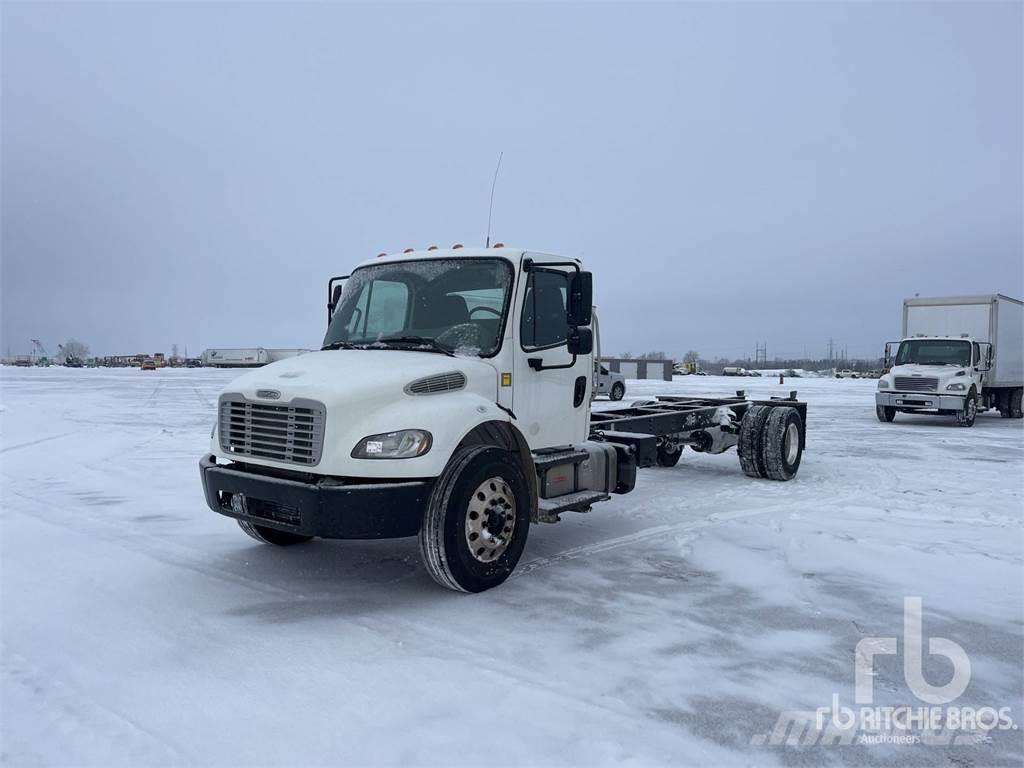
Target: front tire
618, 391
266, 535
885, 413
966, 416
477, 519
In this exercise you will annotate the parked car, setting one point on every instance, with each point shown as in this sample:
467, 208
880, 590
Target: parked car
611, 384
846, 373
148, 365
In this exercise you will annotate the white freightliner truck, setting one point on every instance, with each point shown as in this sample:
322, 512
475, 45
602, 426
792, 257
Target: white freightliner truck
451, 400
960, 356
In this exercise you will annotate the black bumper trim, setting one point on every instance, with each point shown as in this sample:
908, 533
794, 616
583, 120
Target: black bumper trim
327, 508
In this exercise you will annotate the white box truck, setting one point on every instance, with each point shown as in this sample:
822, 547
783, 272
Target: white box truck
249, 357
451, 401
960, 355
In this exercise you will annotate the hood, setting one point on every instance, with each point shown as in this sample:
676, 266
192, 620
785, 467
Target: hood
932, 371
351, 375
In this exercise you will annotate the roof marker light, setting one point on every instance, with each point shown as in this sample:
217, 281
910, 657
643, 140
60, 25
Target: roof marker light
499, 245
431, 247
408, 250
456, 246
381, 254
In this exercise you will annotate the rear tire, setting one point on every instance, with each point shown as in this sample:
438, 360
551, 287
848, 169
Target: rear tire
751, 437
618, 391
885, 413
1014, 403
477, 519
266, 535
782, 444
966, 416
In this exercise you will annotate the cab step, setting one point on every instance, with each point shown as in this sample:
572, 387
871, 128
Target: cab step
580, 501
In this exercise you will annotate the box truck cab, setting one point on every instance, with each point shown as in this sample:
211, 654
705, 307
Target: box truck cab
959, 356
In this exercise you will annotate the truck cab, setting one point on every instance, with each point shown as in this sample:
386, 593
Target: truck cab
450, 399
941, 374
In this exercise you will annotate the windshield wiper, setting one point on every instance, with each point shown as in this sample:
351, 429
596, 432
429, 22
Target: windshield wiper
432, 344
339, 345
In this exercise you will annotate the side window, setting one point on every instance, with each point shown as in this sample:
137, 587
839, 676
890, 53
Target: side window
544, 323
977, 354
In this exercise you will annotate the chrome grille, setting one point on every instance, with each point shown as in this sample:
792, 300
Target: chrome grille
289, 432
916, 383
442, 382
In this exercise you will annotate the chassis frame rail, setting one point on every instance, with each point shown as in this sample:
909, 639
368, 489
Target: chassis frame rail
647, 424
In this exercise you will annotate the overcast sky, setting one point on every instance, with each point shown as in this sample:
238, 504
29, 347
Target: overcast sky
192, 173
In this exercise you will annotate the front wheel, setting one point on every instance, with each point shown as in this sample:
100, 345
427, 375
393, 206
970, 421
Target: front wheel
885, 412
965, 417
477, 519
266, 535
618, 391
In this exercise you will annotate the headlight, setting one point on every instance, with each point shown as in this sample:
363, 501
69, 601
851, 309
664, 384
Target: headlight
883, 383
404, 444
957, 387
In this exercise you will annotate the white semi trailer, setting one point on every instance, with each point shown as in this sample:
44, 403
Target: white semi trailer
451, 401
960, 355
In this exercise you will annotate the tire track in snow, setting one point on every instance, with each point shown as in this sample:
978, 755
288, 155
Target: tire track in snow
76, 719
639, 537
30, 443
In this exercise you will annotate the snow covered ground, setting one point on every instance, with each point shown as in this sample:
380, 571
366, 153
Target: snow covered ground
671, 626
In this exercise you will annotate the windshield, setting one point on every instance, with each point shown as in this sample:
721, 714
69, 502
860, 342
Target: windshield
934, 352
449, 305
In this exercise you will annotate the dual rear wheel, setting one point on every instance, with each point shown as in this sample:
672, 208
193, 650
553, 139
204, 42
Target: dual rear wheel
770, 442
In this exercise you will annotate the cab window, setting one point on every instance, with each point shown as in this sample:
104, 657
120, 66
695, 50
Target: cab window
544, 323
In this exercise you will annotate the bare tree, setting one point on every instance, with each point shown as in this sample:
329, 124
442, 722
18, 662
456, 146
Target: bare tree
651, 356
691, 357
626, 355
73, 349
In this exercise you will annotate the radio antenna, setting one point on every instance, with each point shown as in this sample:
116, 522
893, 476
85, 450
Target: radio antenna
490, 208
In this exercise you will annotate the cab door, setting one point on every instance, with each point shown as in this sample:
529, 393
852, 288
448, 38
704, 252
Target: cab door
552, 387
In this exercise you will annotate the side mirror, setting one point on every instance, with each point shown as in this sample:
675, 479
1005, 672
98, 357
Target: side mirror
334, 287
580, 302
985, 363
580, 341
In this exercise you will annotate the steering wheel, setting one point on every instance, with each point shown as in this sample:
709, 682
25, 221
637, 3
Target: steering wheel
482, 308
461, 334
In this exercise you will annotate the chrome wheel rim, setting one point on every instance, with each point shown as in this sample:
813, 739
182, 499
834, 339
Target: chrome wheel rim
490, 520
791, 446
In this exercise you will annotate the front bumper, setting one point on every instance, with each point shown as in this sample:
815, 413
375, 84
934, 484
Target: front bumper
330, 508
921, 400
